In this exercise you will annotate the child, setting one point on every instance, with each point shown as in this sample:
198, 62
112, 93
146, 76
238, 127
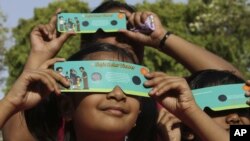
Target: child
89, 116
24, 93
224, 118
175, 95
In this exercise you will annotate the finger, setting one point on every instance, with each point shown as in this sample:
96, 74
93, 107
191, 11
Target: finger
127, 13
52, 78
248, 102
131, 20
161, 115
34, 77
248, 82
63, 37
137, 20
154, 74
160, 87
144, 16
40, 30
51, 62
156, 80
59, 78
53, 19
179, 88
130, 34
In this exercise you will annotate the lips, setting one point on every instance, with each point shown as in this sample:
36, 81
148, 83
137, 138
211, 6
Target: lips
114, 110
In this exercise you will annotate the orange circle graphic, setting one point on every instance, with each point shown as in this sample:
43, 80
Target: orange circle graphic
144, 71
120, 15
246, 88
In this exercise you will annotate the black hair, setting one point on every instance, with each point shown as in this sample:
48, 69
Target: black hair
109, 4
45, 119
212, 77
96, 47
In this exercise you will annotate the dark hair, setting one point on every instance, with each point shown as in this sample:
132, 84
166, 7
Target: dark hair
96, 47
211, 77
44, 120
109, 4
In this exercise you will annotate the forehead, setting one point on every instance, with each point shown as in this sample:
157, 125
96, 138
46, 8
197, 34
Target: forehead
107, 55
117, 9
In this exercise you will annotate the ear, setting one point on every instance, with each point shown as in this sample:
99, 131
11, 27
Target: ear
66, 107
187, 134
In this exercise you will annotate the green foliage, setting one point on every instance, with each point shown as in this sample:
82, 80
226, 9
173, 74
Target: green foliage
219, 26
16, 57
223, 28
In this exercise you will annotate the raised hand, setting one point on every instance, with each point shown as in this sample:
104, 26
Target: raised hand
45, 42
35, 84
172, 92
136, 20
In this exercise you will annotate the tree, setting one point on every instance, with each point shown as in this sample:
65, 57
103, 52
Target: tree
219, 26
223, 28
3, 32
16, 57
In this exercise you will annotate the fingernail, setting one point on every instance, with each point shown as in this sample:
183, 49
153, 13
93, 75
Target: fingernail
152, 92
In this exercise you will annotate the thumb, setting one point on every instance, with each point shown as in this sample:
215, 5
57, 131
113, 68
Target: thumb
130, 34
63, 37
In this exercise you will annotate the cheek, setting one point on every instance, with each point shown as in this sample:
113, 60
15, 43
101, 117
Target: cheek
134, 106
85, 110
245, 120
221, 121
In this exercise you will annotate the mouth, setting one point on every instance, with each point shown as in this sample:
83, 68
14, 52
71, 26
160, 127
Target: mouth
115, 111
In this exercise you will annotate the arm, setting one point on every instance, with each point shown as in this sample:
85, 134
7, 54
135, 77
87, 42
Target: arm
29, 89
191, 56
45, 44
175, 95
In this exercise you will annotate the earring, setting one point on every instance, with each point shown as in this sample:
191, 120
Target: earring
126, 138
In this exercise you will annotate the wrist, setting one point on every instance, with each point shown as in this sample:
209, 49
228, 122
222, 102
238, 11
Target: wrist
163, 40
8, 106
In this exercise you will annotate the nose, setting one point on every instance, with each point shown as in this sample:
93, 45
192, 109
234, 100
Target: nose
117, 94
233, 119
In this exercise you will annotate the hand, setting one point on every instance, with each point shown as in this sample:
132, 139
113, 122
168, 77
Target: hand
168, 126
172, 92
137, 19
45, 42
34, 85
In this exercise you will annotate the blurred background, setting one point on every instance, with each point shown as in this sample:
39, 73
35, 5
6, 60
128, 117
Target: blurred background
219, 26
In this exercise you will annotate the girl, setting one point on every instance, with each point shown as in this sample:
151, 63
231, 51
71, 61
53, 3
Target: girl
112, 116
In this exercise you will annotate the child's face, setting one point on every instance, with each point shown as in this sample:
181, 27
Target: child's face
112, 113
231, 117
